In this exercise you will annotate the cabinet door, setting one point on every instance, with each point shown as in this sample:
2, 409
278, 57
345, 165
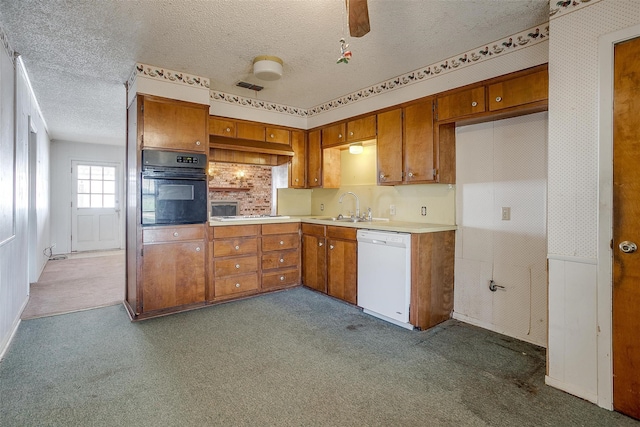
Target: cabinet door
519, 91
461, 104
333, 135
361, 129
315, 160
278, 135
297, 165
389, 147
342, 270
222, 127
252, 131
173, 274
314, 262
419, 152
175, 125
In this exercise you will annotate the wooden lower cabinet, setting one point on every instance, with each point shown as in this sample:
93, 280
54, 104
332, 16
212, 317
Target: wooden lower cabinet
173, 267
329, 260
342, 263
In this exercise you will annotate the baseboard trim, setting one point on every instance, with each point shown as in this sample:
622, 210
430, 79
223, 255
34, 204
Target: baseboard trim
491, 327
4, 346
572, 389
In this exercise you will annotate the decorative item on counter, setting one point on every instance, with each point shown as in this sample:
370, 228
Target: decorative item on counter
345, 55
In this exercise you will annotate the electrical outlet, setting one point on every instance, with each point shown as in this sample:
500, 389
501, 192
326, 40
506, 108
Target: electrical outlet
423, 211
506, 213
321, 206
392, 209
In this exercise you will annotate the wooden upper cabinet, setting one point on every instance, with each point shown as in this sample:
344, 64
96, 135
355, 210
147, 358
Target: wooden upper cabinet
297, 165
361, 129
460, 104
222, 127
334, 135
252, 131
419, 147
314, 158
174, 125
278, 135
519, 91
389, 147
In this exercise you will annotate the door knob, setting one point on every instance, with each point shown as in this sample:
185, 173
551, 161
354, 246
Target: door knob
628, 247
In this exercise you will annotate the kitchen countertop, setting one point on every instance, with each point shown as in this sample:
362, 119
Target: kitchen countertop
376, 224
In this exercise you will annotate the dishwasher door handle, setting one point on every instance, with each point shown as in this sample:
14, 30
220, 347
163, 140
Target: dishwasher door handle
378, 242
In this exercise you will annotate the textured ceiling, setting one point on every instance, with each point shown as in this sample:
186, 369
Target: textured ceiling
78, 54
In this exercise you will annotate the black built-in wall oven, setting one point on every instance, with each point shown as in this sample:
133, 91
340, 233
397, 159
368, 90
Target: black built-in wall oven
174, 188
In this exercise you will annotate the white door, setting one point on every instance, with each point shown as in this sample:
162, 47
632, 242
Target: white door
95, 208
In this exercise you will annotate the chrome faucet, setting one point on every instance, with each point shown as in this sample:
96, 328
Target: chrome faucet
357, 202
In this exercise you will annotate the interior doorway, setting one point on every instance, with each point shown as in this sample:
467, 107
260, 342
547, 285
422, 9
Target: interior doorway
626, 228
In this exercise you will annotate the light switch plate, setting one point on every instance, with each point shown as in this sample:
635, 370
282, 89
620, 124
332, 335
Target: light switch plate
506, 213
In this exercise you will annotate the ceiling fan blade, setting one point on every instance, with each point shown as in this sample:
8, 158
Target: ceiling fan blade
358, 17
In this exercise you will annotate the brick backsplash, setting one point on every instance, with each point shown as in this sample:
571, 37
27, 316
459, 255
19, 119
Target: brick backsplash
254, 195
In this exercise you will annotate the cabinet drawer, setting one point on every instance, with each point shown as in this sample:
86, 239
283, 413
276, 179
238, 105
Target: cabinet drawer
221, 127
360, 129
461, 104
280, 278
252, 131
281, 136
236, 265
280, 260
235, 231
172, 234
285, 241
314, 229
347, 233
236, 285
288, 227
232, 247
333, 135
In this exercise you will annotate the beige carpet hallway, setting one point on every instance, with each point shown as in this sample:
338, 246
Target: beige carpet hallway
81, 282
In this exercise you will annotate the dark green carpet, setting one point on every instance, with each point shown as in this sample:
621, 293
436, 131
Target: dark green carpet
293, 358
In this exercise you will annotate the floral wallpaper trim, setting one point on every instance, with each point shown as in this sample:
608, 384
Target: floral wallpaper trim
515, 42
557, 7
171, 76
255, 103
4, 40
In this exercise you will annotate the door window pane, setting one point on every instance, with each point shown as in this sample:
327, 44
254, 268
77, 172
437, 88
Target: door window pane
96, 186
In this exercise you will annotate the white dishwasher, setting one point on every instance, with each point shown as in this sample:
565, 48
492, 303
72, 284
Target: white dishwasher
384, 275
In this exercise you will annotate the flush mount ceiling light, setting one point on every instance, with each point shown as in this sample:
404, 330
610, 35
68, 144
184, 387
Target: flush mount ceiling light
356, 148
267, 67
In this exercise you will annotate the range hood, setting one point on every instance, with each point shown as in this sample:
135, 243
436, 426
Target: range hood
233, 150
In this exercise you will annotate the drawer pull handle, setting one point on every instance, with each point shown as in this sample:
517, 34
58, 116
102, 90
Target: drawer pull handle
281, 259
271, 136
237, 248
350, 133
198, 143
282, 278
320, 244
281, 242
339, 136
498, 99
175, 234
198, 249
237, 265
227, 130
474, 104
237, 285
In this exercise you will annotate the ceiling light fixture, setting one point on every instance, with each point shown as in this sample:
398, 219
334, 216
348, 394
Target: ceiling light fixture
356, 148
267, 67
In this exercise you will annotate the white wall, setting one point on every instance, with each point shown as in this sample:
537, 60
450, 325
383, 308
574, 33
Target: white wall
62, 154
14, 116
579, 307
502, 164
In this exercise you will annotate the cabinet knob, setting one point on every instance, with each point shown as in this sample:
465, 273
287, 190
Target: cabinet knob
237, 265
296, 179
198, 143
282, 278
382, 177
410, 174
498, 98
281, 242
175, 234
339, 136
272, 136
350, 133
237, 285
237, 248
281, 259
227, 130
315, 179
474, 104
198, 249
319, 243
330, 246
